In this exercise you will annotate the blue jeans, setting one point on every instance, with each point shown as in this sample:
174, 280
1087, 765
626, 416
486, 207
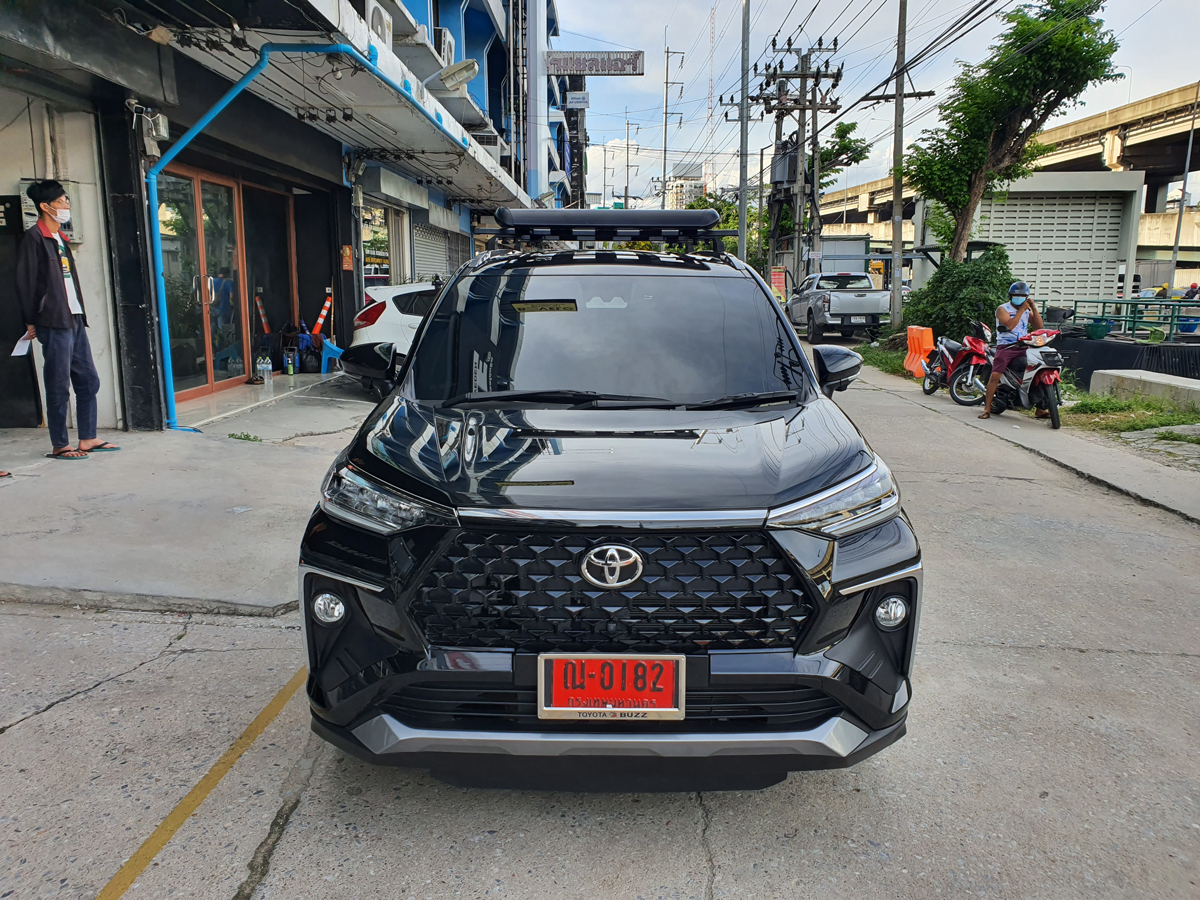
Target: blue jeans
69, 364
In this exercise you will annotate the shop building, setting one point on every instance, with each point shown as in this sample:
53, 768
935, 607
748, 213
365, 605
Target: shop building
330, 171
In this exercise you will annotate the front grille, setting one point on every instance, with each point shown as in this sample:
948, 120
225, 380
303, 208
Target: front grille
491, 707
697, 592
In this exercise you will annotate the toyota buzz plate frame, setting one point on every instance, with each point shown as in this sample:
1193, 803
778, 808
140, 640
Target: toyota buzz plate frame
621, 687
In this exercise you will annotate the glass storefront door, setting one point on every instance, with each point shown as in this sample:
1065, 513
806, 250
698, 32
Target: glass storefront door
201, 267
221, 282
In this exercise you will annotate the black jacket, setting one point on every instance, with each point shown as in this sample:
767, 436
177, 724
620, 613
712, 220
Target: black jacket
41, 290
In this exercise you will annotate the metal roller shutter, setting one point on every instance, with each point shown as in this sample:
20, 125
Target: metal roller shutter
1068, 246
459, 249
429, 251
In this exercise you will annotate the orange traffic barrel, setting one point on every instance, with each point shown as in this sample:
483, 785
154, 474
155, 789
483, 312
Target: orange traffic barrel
920, 342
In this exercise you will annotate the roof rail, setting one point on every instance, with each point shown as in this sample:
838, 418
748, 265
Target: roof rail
673, 225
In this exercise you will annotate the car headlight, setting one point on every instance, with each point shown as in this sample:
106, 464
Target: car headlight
348, 495
869, 498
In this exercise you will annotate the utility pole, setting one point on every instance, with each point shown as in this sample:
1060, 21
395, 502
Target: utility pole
604, 174
1187, 167
898, 176
626, 206
667, 82
744, 127
814, 255
779, 96
758, 241
897, 308
798, 187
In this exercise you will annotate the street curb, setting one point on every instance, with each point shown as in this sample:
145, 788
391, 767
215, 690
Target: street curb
1075, 470
1093, 478
103, 600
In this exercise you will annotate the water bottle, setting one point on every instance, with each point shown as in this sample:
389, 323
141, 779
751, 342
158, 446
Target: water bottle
264, 369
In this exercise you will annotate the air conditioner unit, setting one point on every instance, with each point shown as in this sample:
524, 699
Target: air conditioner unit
379, 20
443, 45
496, 146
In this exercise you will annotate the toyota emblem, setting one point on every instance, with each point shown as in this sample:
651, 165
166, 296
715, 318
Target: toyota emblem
612, 566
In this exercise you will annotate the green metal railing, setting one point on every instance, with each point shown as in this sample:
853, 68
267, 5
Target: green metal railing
1138, 318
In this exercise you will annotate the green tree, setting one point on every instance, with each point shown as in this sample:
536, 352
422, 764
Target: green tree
1050, 53
843, 149
959, 292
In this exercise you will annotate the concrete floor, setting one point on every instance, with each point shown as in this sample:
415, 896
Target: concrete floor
1051, 745
200, 522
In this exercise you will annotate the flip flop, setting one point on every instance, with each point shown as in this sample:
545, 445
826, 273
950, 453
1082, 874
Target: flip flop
63, 455
5, 474
104, 447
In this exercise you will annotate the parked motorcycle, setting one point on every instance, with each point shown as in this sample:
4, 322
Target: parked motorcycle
955, 366
1038, 385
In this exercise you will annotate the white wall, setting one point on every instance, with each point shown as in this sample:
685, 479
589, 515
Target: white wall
23, 155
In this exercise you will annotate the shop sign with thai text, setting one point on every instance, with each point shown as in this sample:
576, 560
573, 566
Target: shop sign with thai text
595, 62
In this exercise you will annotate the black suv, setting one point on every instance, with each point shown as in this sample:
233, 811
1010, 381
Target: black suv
609, 531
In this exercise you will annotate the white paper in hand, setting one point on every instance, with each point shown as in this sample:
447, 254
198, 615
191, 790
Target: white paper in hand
23, 346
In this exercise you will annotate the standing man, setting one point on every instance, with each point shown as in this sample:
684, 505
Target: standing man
52, 305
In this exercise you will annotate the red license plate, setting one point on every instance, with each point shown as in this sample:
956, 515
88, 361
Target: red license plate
624, 688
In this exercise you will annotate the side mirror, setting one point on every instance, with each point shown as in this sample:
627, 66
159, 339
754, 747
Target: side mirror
836, 367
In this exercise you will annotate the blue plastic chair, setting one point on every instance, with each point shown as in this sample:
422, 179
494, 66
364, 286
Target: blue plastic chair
329, 351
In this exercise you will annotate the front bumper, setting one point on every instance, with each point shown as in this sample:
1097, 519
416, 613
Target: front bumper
835, 743
363, 670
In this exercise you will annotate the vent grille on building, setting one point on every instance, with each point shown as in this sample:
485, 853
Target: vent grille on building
1068, 246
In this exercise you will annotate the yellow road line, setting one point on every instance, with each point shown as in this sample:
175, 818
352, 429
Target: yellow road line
134, 866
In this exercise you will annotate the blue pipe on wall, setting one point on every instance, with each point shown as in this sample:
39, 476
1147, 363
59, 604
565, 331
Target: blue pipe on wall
264, 58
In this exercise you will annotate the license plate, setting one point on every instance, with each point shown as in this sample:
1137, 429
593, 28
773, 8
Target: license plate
631, 688
858, 320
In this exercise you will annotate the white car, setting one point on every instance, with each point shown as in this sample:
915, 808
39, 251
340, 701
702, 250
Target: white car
384, 330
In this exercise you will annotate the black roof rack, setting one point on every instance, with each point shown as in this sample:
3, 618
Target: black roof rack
674, 225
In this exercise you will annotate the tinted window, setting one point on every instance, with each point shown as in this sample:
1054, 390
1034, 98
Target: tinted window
846, 283
685, 337
417, 304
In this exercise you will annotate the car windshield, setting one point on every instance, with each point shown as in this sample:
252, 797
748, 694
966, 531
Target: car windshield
682, 337
415, 304
845, 283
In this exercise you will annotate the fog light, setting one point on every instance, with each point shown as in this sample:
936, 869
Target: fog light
329, 608
891, 613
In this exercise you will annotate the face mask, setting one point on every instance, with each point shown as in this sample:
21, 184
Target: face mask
62, 216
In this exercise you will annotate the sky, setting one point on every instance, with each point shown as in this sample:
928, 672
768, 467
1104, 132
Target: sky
867, 46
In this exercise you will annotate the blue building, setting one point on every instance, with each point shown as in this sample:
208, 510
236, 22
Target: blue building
332, 173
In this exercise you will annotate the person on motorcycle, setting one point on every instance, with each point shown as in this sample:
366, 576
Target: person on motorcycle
1013, 322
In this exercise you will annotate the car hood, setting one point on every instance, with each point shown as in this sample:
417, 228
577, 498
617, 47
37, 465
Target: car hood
597, 459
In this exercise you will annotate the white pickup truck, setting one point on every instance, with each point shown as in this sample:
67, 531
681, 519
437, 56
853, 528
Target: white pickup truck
840, 301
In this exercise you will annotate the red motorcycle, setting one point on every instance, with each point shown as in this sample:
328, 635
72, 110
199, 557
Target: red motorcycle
957, 366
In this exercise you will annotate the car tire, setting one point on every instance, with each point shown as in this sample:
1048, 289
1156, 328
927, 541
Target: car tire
815, 333
847, 335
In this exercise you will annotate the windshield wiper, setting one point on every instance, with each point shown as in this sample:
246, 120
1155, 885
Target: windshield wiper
568, 397
751, 398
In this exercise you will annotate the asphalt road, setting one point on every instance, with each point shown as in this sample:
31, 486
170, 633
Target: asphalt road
1050, 753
